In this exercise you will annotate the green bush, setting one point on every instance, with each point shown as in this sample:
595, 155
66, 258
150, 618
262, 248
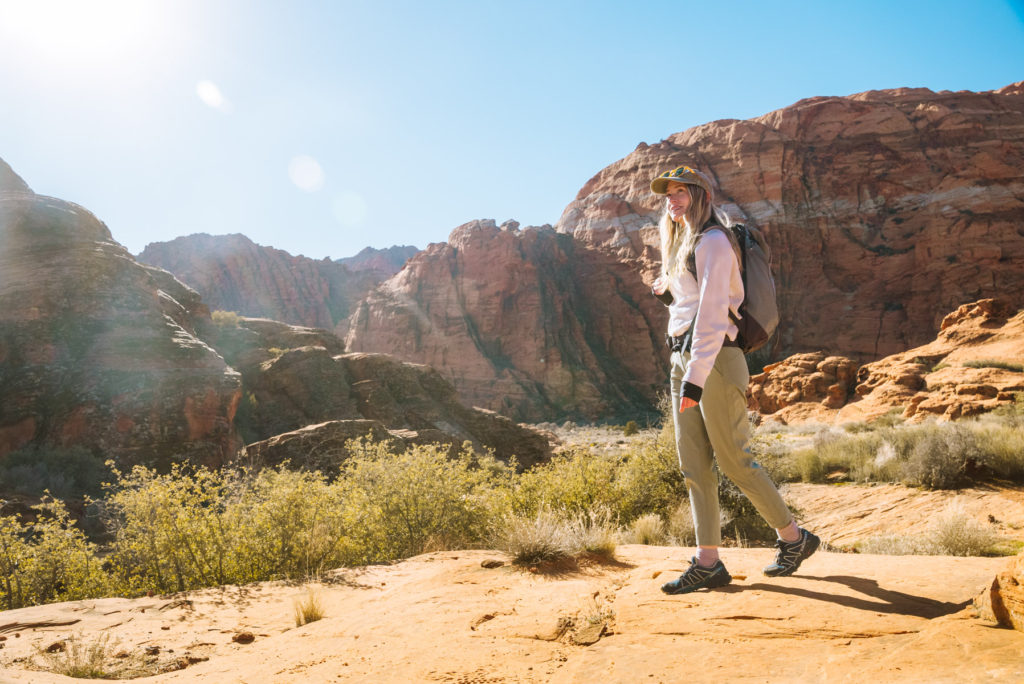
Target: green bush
402, 504
943, 458
995, 363
630, 429
48, 560
225, 319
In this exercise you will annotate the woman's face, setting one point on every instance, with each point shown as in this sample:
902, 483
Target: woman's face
677, 198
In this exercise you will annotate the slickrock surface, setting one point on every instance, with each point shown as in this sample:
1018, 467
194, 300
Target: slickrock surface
232, 273
99, 351
934, 379
443, 617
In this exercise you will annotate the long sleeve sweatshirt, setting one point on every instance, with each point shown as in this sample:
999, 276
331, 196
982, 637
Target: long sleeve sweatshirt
706, 300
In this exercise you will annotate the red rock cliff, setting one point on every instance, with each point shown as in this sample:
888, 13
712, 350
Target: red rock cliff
885, 210
99, 351
233, 273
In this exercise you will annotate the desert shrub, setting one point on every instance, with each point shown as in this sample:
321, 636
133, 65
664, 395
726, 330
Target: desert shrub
1011, 415
402, 504
191, 529
995, 363
642, 480
64, 473
284, 524
956, 534
952, 534
630, 429
680, 525
943, 457
647, 529
543, 537
48, 560
893, 545
225, 319
169, 530
594, 534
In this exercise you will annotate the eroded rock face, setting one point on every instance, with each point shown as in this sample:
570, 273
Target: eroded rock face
885, 210
1003, 600
528, 323
971, 367
99, 351
232, 273
295, 377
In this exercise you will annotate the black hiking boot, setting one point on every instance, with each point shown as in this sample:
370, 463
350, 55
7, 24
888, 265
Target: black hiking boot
792, 554
697, 577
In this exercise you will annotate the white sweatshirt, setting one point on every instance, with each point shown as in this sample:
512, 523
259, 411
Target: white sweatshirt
717, 288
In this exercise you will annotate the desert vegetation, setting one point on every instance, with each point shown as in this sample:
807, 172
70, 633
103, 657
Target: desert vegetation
193, 527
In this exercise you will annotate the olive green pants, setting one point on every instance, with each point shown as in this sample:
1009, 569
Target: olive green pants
719, 431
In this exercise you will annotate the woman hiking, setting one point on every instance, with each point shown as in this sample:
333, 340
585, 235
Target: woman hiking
701, 283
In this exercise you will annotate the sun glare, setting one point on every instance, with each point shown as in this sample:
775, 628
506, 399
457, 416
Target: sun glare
68, 31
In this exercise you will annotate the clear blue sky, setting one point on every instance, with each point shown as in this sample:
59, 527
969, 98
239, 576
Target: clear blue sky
324, 127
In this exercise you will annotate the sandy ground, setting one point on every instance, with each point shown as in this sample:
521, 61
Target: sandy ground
443, 617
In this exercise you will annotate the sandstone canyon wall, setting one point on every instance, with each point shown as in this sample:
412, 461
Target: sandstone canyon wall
233, 273
99, 351
885, 210
530, 323
103, 353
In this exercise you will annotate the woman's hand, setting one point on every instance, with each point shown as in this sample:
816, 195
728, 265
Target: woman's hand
686, 403
660, 285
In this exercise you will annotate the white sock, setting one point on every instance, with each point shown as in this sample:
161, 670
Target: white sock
707, 556
790, 533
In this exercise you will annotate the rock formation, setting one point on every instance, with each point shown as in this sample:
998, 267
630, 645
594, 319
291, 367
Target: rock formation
232, 273
529, 323
383, 263
885, 211
297, 381
99, 351
975, 364
1003, 600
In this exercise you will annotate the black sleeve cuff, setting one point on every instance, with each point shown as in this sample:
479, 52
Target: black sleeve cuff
665, 297
691, 391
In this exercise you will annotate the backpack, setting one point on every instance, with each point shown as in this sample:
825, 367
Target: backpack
759, 311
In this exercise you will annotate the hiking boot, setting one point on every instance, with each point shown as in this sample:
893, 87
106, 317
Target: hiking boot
792, 554
697, 577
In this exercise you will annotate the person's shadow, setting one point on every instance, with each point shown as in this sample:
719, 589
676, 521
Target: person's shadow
888, 601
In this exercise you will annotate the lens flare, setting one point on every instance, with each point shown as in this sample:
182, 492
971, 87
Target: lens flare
306, 173
211, 96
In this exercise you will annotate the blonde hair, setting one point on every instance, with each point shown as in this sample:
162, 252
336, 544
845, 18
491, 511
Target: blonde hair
679, 240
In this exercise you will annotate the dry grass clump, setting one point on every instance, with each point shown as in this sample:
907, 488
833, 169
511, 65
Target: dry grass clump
544, 537
309, 608
551, 536
953, 534
932, 455
647, 529
92, 659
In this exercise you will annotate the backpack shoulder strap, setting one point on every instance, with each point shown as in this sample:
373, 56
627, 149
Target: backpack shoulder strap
735, 239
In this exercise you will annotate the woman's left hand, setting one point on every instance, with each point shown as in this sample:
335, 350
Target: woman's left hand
686, 403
